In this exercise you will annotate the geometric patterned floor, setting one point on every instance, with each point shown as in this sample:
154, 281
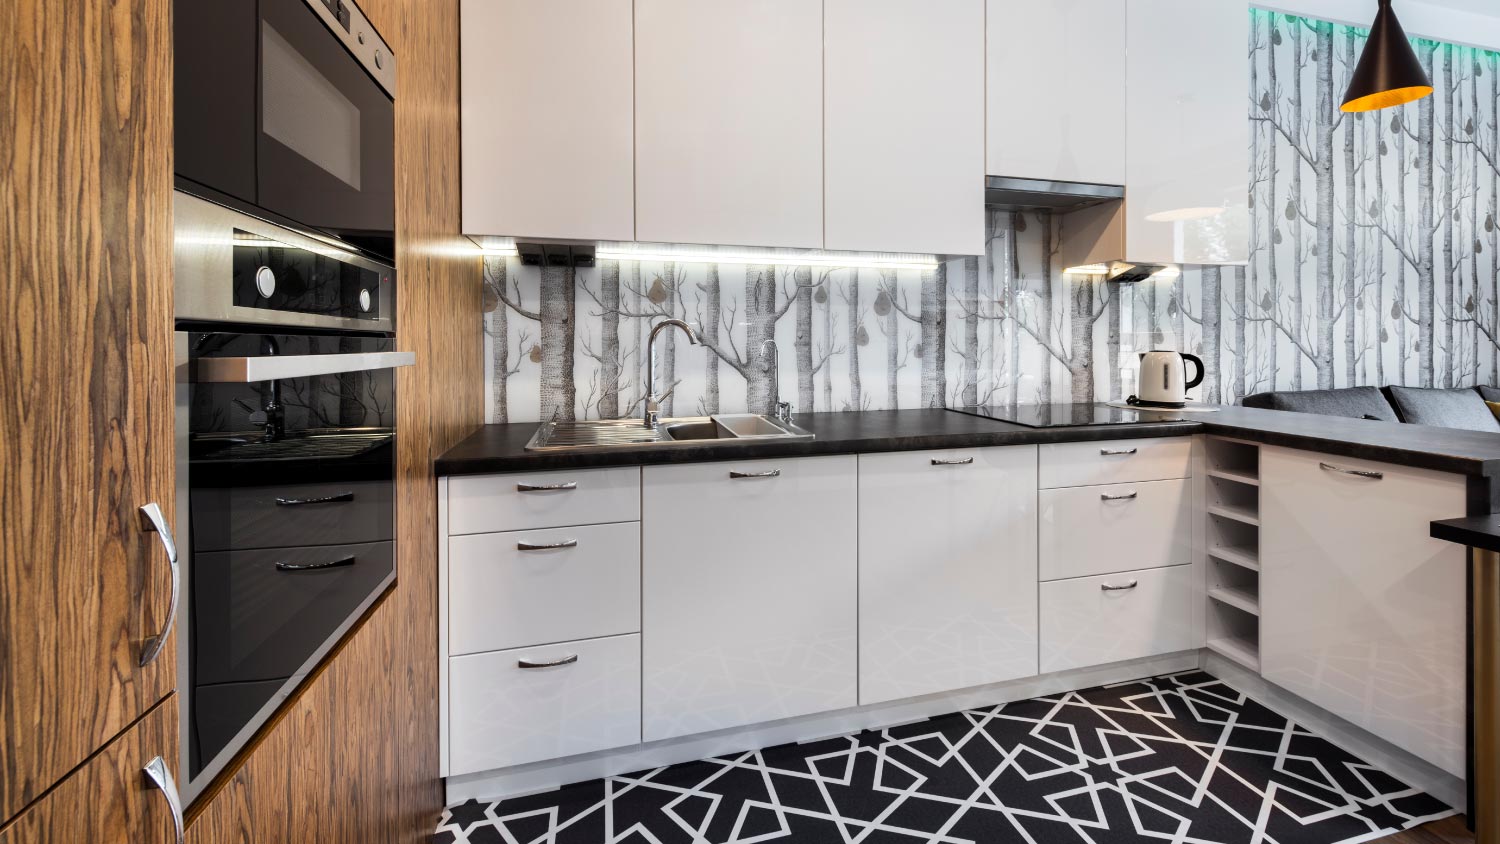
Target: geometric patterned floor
1182, 759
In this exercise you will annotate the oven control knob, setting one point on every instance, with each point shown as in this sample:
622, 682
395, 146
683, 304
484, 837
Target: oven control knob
379, 60
361, 38
364, 300
265, 282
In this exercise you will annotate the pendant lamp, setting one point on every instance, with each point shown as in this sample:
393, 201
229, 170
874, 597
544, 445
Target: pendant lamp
1388, 73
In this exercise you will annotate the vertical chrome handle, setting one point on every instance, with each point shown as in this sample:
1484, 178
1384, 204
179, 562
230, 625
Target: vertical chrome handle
774, 473
1110, 587
962, 461
153, 520
546, 546
1362, 473
570, 485
1115, 452
157, 774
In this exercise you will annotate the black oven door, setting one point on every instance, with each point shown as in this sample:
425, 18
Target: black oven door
292, 523
274, 114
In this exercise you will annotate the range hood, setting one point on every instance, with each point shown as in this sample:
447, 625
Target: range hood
1093, 240
1012, 194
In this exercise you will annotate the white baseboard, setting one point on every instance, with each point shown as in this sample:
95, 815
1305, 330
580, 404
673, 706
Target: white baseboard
544, 776
1362, 743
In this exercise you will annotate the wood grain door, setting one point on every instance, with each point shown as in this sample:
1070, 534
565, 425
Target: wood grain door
85, 379
110, 800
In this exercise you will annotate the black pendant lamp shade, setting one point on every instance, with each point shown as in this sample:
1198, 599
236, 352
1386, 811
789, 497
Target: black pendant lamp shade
1388, 73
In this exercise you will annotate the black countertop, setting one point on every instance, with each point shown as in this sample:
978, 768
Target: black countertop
1476, 531
501, 448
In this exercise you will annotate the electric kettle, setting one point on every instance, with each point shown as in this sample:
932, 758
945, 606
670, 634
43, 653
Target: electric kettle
1163, 381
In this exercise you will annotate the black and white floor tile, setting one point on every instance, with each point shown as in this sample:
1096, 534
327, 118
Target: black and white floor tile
1183, 759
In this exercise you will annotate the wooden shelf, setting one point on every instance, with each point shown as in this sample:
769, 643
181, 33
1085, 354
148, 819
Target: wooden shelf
1239, 597
1242, 557
1237, 649
1234, 475
1243, 515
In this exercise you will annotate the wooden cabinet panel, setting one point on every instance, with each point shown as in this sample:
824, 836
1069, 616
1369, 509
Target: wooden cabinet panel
109, 800
86, 388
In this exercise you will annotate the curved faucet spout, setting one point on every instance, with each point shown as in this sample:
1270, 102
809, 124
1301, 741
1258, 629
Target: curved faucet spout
653, 400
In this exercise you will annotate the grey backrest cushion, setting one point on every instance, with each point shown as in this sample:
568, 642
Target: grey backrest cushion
1488, 393
1458, 408
1356, 402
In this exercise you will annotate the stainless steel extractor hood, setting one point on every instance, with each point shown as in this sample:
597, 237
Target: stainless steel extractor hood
1060, 197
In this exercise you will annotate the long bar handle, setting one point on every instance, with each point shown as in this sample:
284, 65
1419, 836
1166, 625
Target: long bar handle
546, 546
160, 778
1362, 473
1129, 496
567, 660
249, 370
327, 499
1118, 452
1110, 587
563, 487
153, 520
773, 473
962, 461
331, 564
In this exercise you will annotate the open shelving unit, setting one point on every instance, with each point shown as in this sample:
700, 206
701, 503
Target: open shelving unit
1233, 504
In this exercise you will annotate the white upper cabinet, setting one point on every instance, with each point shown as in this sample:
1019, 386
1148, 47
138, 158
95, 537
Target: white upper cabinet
1056, 90
904, 125
729, 122
547, 113
1186, 134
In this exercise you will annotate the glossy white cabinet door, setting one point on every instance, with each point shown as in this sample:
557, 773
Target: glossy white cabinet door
729, 122
1362, 612
748, 593
904, 125
1187, 139
547, 111
1129, 615
947, 570
530, 500
1089, 530
1113, 462
1056, 89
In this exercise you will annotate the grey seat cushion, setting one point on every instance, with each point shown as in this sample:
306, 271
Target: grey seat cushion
1356, 402
1458, 408
1489, 393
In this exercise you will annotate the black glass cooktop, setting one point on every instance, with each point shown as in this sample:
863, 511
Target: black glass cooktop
1070, 415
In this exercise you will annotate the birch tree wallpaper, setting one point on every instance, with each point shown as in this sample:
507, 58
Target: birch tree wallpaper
1373, 260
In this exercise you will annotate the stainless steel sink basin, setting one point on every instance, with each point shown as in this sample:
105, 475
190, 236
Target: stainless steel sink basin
725, 429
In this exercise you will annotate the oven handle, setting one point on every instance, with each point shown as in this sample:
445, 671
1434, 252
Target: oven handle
331, 564
338, 498
277, 367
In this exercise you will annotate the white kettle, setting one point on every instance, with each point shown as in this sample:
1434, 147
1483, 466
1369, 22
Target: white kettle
1163, 379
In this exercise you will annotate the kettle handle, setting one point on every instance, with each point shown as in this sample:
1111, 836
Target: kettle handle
1198, 379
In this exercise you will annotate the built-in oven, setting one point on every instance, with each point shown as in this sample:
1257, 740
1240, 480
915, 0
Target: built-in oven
284, 109
286, 448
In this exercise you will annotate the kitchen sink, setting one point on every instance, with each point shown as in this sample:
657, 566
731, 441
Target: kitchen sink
724, 429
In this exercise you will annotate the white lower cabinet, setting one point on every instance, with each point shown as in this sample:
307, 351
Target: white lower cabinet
748, 592
502, 712
947, 570
1097, 620
1362, 613
1089, 530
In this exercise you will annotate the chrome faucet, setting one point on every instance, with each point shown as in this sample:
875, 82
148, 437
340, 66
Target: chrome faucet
653, 401
780, 409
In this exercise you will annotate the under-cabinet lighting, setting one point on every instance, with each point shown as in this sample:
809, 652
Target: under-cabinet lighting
499, 251
772, 259
1088, 269
1182, 215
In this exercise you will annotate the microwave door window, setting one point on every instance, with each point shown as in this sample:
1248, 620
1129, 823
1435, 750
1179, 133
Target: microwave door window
306, 112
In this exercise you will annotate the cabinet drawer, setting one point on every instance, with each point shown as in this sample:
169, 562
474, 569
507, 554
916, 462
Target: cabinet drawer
1114, 462
488, 503
501, 714
508, 590
292, 514
1091, 530
1084, 623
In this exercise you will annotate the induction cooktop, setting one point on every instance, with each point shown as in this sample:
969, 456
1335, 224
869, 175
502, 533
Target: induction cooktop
1070, 415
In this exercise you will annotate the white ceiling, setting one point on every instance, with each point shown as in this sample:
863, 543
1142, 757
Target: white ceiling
1483, 7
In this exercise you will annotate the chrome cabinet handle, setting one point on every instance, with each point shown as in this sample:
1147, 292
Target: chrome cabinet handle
564, 487
774, 473
153, 520
1117, 452
567, 660
281, 367
1362, 473
546, 546
160, 778
962, 461
331, 564
327, 499
1110, 587
1126, 497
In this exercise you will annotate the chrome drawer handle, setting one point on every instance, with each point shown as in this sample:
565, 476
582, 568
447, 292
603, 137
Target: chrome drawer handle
1362, 473
327, 499
1126, 497
546, 546
567, 660
564, 487
1117, 452
962, 461
1110, 587
153, 520
331, 564
774, 473
160, 778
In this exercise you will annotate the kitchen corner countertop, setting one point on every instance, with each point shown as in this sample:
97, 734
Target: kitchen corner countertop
502, 448
1481, 532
